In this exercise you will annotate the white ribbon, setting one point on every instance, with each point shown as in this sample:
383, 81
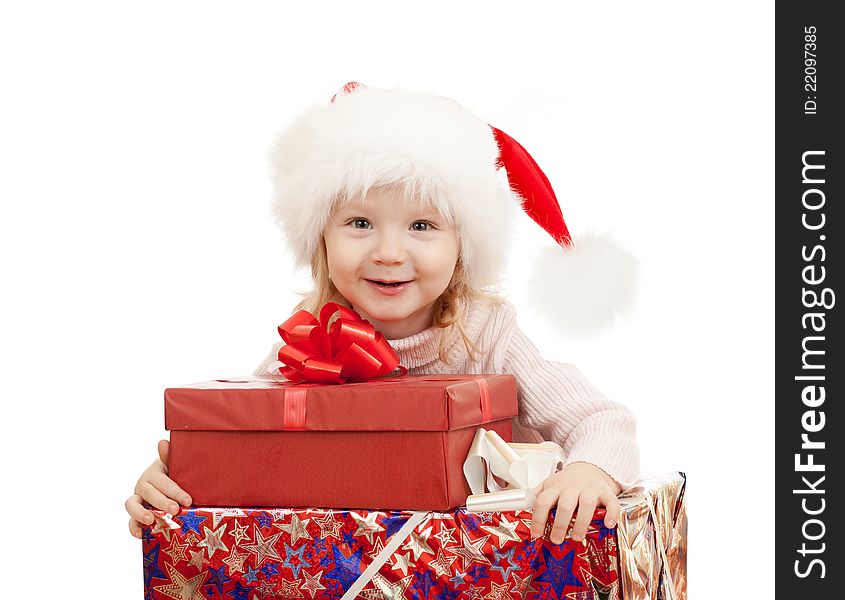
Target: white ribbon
400, 536
521, 466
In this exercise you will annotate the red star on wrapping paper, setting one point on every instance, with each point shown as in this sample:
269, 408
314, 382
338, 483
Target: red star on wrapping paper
471, 551
198, 559
523, 586
329, 527
263, 548
235, 561
403, 562
290, 589
442, 565
191, 539
178, 552
368, 526
498, 592
181, 588
296, 529
213, 540
445, 535
312, 583
418, 543
164, 525
239, 532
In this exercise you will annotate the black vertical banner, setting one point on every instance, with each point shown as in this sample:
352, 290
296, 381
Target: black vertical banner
809, 173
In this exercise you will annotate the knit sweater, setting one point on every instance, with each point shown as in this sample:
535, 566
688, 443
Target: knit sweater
556, 402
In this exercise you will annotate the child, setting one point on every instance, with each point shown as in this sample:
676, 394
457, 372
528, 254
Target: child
393, 200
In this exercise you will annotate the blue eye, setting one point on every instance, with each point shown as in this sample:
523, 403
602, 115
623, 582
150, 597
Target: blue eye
420, 226
360, 223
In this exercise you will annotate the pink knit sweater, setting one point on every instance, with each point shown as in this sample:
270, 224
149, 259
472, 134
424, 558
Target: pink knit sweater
556, 402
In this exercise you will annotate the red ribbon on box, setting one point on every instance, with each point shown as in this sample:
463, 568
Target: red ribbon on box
351, 350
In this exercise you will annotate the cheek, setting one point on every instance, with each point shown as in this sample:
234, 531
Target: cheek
341, 257
439, 262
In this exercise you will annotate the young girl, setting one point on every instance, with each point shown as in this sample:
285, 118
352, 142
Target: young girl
393, 200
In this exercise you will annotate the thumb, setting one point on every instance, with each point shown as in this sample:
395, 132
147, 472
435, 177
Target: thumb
164, 451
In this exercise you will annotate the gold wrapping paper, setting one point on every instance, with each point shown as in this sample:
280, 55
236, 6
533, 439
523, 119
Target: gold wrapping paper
652, 533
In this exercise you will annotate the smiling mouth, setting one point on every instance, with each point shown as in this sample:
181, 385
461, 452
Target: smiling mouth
388, 284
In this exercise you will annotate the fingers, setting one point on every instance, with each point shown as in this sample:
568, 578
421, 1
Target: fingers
540, 513
153, 495
164, 452
611, 503
565, 507
138, 513
135, 528
586, 508
171, 489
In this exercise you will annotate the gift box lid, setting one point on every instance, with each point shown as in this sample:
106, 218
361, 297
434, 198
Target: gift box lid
409, 403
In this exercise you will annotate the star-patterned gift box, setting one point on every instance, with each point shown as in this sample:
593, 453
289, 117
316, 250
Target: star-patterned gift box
390, 443
255, 553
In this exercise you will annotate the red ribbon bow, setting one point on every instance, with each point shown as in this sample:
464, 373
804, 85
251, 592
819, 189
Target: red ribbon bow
350, 350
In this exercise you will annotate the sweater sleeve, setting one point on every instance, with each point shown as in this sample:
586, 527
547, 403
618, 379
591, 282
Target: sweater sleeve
560, 403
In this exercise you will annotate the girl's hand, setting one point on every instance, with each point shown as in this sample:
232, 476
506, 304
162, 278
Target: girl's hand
156, 488
578, 487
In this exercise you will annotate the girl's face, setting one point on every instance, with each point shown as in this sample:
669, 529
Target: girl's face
391, 261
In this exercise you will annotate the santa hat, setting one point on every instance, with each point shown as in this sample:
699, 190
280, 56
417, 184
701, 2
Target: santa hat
436, 150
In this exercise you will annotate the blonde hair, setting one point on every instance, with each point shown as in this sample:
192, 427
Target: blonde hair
449, 308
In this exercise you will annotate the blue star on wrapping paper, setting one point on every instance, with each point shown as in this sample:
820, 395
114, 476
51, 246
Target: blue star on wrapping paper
251, 575
191, 521
477, 572
270, 568
146, 535
151, 566
326, 560
559, 572
218, 578
393, 523
471, 522
532, 549
290, 553
346, 570
239, 592
458, 578
349, 539
510, 566
319, 545
264, 519
424, 583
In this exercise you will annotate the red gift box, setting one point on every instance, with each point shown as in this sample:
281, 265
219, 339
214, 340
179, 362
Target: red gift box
391, 443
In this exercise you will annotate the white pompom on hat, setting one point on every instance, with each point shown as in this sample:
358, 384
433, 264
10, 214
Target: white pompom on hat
437, 151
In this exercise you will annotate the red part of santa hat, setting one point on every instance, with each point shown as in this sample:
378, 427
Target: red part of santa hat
368, 136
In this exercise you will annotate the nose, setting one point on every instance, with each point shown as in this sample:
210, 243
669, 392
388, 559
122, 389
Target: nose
389, 249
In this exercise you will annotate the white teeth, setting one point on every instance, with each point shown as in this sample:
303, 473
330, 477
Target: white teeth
387, 284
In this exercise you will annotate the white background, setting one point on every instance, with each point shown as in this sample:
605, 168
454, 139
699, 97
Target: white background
138, 251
